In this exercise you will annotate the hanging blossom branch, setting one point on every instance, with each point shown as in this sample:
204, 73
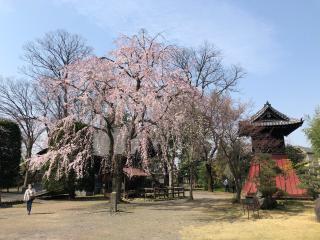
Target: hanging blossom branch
70, 148
124, 94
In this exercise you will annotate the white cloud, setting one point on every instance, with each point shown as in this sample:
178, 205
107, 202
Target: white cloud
243, 37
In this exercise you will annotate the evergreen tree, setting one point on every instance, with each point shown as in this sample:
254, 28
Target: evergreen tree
10, 153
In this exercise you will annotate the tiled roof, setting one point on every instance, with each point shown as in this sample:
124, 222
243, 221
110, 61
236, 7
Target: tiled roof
277, 119
277, 122
135, 172
266, 107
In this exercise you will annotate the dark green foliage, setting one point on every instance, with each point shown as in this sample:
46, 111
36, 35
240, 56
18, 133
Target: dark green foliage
202, 176
10, 153
309, 177
266, 181
295, 154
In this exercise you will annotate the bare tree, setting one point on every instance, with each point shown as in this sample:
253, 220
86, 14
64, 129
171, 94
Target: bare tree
234, 150
205, 70
18, 102
48, 58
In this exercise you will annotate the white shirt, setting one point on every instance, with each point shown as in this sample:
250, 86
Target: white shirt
28, 194
225, 182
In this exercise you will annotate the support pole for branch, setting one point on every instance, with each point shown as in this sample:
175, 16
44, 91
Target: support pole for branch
113, 202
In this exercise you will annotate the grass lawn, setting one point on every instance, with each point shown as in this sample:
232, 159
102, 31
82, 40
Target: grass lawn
294, 220
209, 216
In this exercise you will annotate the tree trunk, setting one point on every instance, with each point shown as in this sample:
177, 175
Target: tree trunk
209, 177
65, 100
171, 177
71, 188
117, 176
25, 182
28, 155
191, 184
109, 132
191, 173
238, 192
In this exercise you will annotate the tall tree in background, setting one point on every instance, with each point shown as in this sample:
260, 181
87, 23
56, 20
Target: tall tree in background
10, 153
204, 69
18, 102
310, 172
295, 154
191, 131
235, 150
47, 58
313, 132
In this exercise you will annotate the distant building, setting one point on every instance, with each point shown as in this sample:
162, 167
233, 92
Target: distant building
310, 158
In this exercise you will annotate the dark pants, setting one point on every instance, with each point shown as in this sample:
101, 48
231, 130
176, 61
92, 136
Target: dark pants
29, 205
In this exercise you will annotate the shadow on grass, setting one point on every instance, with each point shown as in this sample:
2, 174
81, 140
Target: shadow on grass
65, 197
42, 213
91, 198
222, 210
215, 209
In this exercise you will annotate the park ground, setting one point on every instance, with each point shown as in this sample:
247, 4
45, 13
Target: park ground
209, 216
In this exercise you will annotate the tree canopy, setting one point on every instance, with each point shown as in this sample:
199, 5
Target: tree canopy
10, 152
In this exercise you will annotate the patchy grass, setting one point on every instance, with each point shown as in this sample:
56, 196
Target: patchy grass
293, 221
209, 216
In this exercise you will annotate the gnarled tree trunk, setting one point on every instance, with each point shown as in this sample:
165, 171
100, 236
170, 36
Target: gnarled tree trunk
209, 177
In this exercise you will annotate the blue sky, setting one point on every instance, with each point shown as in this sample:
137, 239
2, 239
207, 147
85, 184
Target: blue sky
276, 42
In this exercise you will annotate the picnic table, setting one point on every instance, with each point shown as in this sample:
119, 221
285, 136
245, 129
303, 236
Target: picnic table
164, 192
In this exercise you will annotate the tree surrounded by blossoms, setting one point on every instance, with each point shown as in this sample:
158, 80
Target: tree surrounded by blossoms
130, 90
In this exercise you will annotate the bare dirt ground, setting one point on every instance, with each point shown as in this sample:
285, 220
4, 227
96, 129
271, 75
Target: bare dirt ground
209, 216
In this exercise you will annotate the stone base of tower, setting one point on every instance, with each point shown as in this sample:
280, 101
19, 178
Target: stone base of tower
290, 185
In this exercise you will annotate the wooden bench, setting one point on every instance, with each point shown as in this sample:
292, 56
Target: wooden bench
161, 192
165, 192
130, 193
176, 191
251, 204
149, 192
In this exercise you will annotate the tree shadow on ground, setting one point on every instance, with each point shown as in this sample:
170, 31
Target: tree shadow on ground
89, 198
223, 210
216, 209
43, 213
287, 209
6, 205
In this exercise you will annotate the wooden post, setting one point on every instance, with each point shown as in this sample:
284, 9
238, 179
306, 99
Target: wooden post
113, 202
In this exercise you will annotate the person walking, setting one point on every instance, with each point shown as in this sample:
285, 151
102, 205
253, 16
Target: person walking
226, 185
29, 196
